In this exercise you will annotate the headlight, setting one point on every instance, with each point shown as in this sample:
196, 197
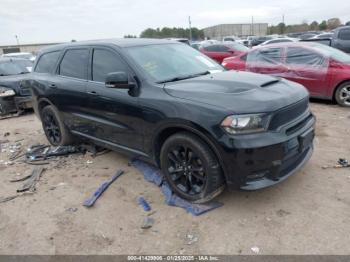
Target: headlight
4, 91
244, 124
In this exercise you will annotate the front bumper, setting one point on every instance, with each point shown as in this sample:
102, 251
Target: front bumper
14, 104
257, 161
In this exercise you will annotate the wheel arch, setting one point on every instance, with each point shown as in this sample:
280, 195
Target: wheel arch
337, 86
43, 102
168, 130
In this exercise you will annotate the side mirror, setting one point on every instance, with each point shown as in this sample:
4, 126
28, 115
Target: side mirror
118, 80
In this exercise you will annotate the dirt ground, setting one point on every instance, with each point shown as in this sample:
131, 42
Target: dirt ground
309, 213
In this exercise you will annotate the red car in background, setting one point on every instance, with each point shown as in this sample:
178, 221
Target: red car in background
219, 52
323, 70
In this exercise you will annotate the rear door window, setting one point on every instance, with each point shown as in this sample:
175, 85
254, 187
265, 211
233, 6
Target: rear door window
47, 62
105, 62
344, 34
75, 63
302, 56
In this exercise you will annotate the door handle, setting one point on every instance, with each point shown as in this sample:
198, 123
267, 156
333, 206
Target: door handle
93, 93
53, 86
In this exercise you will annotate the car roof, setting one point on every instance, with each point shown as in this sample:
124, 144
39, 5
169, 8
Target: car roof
11, 59
120, 42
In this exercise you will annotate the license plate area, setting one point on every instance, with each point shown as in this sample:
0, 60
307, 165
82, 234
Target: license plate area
305, 139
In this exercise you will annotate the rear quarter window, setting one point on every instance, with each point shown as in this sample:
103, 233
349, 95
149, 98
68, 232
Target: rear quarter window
47, 62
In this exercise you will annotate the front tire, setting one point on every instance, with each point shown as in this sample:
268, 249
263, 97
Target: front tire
55, 130
191, 168
342, 94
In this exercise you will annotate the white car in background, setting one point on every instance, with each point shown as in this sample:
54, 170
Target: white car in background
23, 55
279, 40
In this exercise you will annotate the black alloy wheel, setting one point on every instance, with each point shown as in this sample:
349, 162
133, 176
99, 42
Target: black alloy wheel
191, 168
51, 127
186, 170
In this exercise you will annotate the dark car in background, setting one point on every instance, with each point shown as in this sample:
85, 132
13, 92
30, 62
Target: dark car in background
341, 39
14, 98
167, 103
220, 51
259, 40
323, 70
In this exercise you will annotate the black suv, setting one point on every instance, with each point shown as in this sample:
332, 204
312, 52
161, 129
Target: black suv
167, 103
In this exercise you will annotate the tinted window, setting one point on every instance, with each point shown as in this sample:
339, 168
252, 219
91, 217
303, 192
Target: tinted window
298, 55
216, 48
105, 62
268, 55
74, 63
47, 62
344, 34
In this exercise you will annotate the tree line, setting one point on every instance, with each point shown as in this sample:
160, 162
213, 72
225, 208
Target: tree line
324, 25
281, 28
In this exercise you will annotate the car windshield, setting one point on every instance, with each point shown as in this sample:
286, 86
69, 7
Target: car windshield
12, 67
333, 53
172, 62
238, 47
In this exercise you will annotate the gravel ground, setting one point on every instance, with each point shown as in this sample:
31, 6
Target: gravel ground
309, 213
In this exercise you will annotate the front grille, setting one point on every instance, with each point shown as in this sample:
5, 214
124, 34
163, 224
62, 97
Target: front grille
25, 92
288, 114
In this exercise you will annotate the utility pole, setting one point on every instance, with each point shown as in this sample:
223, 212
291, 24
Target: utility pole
189, 22
283, 18
16, 36
252, 31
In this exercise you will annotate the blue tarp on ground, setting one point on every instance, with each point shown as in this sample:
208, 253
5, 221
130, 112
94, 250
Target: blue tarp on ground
154, 175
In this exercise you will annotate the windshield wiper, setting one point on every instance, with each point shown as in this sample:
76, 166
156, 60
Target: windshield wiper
178, 78
21, 73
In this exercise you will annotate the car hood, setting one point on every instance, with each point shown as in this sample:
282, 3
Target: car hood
13, 81
239, 92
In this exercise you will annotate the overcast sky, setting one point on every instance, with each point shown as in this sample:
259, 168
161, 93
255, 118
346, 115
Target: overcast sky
39, 21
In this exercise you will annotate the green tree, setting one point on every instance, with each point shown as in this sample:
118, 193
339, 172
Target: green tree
167, 32
314, 25
130, 36
281, 28
323, 25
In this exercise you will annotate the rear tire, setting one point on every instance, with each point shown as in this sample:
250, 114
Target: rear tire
342, 94
191, 168
55, 130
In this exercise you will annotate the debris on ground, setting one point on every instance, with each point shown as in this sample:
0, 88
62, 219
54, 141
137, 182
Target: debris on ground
20, 179
191, 239
255, 250
6, 134
147, 222
154, 175
342, 163
6, 199
91, 201
30, 185
89, 162
282, 213
72, 209
45, 152
151, 213
144, 204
